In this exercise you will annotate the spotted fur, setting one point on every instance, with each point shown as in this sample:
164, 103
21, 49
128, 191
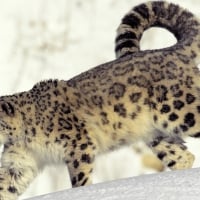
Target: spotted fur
155, 14
153, 96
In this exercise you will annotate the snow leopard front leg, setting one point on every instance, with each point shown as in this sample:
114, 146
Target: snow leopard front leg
80, 160
18, 169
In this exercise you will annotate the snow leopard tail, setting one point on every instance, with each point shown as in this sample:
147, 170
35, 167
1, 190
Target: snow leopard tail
180, 22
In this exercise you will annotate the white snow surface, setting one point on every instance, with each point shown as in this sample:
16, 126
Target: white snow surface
174, 185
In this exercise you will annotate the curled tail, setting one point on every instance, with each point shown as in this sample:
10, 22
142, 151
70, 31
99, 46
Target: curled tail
182, 23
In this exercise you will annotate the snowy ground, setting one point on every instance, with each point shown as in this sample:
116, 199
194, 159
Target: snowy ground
182, 185
59, 39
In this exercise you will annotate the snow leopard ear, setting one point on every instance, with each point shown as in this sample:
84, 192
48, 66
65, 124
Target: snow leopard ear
8, 108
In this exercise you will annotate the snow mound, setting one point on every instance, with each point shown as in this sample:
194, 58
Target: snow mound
183, 184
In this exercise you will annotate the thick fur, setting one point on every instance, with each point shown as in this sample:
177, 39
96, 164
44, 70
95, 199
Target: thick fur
152, 96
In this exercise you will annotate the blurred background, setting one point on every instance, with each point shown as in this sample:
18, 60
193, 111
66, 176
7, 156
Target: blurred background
42, 39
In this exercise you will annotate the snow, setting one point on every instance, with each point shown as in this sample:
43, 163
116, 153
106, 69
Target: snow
60, 39
174, 185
